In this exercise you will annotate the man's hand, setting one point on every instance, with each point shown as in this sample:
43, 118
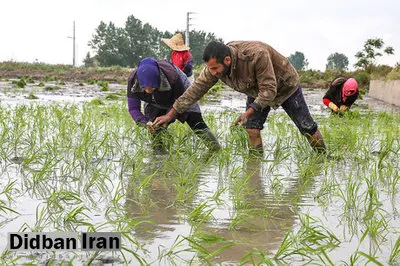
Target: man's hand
241, 120
162, 121
333, 107
244, 117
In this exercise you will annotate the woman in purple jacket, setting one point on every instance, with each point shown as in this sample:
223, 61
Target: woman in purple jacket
158, 83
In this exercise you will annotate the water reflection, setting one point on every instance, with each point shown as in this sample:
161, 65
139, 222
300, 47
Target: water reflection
154, 202
261, 218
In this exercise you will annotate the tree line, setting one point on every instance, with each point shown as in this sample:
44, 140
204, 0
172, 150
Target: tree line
126, 46
366, 58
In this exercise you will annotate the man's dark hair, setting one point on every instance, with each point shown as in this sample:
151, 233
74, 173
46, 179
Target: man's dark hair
216, 50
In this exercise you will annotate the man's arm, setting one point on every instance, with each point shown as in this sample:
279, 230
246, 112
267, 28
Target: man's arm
194, 93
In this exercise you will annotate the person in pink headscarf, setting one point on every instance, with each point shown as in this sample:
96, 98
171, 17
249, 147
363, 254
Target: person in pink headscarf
342, 93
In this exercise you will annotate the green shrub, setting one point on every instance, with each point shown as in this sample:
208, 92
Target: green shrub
49, 78
329, 75
103, 85
29, 80
363, 79
361, 93
91, 81
394, 74
380, 72
314, 78
21, 83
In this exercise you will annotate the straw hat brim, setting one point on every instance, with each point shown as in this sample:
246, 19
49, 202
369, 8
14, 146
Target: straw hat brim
175, 47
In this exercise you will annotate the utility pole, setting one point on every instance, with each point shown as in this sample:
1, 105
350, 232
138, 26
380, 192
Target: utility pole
188, 18
73, 45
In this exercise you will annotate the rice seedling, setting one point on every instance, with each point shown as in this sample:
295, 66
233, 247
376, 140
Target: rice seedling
257, 257
113, 96
395, 253
97, 101
88, 167
5, 203
174, 254
311, 239
351, 200
52, 88
200, 214
328, 188
32, 96
200, 241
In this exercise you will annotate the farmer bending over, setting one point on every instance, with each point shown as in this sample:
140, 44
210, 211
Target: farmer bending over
342, 93
264, 75
159, 84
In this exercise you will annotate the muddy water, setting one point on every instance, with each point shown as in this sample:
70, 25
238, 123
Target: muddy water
262, 231
228, 100
280, 214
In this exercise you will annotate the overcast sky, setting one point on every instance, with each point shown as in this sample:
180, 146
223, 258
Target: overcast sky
38, 29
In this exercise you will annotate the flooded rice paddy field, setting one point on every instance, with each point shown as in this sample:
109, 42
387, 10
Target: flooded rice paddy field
73, 160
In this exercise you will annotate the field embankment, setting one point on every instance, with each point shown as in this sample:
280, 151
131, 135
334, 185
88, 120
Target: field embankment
41, 71
117, 74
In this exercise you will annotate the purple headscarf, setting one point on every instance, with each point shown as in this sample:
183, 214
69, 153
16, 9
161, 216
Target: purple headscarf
148, 74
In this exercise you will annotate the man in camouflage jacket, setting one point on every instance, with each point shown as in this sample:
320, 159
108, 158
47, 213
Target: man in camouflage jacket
264, 75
